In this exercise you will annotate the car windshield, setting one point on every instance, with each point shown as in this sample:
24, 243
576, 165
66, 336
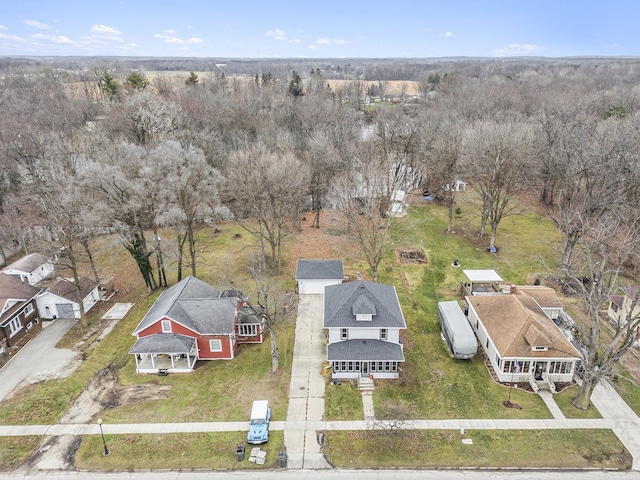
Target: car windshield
258, 421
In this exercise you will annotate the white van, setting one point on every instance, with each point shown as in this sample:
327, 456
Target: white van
259, 423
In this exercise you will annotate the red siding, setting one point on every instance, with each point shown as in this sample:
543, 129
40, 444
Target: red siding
175, 328
228, 348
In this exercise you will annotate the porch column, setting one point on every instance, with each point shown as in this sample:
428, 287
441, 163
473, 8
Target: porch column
153, 363
173, 362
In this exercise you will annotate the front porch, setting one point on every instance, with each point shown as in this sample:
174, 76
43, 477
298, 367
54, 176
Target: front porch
155, 363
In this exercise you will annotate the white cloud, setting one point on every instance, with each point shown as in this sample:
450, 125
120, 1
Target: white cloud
170, 31
13, 38
2, 27
60, 39
175, 40
330, 41
169, 39
314, 47
281, 35
104, 30
447, 35
37, 24
195, 40
517, 49
277, 34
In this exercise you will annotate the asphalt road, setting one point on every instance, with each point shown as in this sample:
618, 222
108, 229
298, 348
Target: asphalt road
38, 360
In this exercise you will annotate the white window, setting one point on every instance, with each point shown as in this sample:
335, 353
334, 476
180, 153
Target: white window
14, 326
344, 334
248, 330
215, 345
166, 326
28, 309
383, 334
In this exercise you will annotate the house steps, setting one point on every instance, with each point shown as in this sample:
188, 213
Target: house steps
366, 384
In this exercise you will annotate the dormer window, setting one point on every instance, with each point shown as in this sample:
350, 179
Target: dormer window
363, 309
166, 326
538, 340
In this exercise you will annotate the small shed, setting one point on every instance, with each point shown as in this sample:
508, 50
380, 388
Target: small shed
313, 275
479, 282
457, 331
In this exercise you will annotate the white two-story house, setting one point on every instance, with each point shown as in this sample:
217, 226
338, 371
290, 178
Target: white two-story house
363, 320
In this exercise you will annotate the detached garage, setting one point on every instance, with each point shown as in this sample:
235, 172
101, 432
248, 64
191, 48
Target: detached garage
313, 275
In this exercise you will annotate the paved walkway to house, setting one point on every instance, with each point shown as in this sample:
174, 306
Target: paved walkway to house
547, 398
306, 390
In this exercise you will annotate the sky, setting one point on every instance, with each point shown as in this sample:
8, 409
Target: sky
320, 28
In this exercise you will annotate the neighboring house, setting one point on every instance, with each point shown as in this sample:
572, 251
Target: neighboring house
60, 300
520, 341
32, 268
189, 322
18, 312
313, 275
458, 185
398, 205
364, 320
623, 308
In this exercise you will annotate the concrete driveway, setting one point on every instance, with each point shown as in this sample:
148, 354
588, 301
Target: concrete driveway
39, 359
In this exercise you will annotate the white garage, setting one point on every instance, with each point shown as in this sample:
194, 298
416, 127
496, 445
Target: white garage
313, 275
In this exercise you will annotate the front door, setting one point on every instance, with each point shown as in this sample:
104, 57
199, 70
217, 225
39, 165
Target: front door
365, 368
541, 367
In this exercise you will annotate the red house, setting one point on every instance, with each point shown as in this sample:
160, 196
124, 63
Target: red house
193, 321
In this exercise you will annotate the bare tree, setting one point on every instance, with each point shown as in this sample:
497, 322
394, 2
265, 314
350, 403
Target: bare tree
272, 303
598, 175
190, 198
267, 191
363, 199
118, 182
395, 423
595, 274
497, 159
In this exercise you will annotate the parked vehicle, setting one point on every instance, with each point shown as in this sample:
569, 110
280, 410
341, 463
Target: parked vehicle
259, 423
456, 330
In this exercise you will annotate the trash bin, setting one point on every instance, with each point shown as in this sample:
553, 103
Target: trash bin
240, 452
282, 459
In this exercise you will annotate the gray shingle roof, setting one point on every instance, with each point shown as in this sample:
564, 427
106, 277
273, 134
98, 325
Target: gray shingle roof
319, 270
28, 263
66, 289
167, 343
194, 304
339, 301
365, 350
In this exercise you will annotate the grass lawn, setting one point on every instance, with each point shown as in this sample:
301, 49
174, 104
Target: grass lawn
343, 402
215, 391
628, 389
15, 450
175, 451
432, 384
490, 449
563, 400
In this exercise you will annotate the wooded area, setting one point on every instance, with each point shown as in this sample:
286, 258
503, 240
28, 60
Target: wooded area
96, 146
